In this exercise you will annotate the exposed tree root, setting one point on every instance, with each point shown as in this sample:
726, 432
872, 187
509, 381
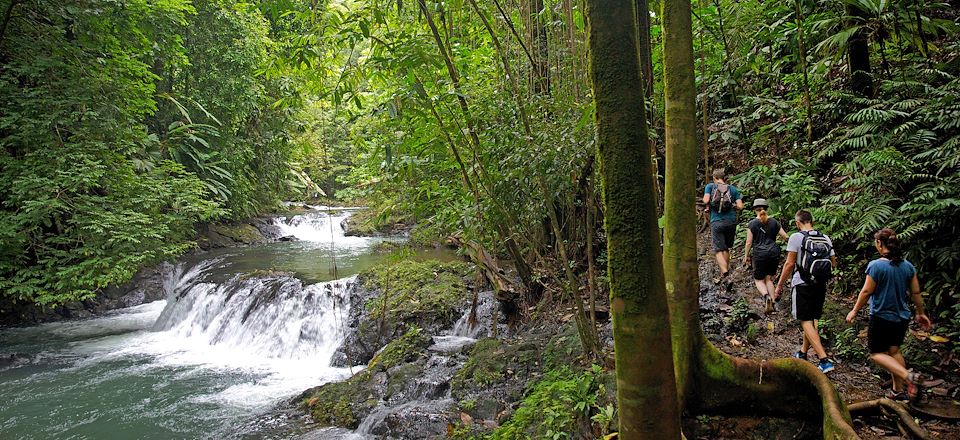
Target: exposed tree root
891, 407
783, 387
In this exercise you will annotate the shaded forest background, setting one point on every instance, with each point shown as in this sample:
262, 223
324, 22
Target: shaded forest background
126, 124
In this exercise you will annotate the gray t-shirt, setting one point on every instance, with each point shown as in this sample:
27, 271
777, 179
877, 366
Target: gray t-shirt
793, 245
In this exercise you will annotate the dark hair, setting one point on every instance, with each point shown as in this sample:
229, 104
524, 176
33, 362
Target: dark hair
888, 239
719, 174
804, 216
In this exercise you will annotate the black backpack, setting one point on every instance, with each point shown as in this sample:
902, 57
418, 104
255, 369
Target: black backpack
720, 199
813, 259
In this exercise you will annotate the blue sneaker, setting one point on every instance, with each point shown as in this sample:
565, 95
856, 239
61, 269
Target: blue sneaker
825, 366
800, 355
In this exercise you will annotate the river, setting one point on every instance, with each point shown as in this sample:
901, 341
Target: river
214, 360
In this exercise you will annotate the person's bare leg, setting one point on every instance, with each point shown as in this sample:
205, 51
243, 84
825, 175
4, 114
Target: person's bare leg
894, 352
722, 261
813, 338
891, 364
770, 287
762, 287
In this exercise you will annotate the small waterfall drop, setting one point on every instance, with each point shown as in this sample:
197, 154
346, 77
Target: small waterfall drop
461, 335
271, 316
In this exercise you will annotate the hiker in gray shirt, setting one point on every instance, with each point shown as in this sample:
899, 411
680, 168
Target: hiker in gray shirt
810, 260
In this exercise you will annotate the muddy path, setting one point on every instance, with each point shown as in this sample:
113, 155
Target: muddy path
736, 322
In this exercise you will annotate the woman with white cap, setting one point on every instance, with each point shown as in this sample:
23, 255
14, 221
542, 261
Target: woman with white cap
762, 233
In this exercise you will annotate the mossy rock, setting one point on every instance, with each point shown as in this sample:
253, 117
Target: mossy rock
563, 348
488, 361
407, 348
243, 233
339, 403
372, 222
417, 288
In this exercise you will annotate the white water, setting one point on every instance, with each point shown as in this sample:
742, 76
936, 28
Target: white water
460, 336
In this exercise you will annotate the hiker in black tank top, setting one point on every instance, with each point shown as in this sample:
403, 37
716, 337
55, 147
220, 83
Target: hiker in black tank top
762, 233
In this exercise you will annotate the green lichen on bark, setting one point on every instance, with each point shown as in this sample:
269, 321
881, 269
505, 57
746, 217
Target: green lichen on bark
646, 389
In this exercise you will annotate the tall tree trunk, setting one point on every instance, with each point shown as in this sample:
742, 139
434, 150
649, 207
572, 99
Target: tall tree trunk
646, 390
646, 54
858, 58
704, 108
708, 380
679, 235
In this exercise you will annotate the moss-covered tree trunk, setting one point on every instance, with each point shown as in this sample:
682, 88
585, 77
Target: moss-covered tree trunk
708, 380
646, 391
680, 179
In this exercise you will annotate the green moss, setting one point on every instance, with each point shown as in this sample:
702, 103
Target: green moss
412, 288
240, 233
330, 405
487, 362
373, 221
406, 348
563, 348
562, 403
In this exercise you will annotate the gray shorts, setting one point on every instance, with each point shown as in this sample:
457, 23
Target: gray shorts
723, 234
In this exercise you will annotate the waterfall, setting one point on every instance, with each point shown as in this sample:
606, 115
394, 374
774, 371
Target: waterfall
272, 316
320, 227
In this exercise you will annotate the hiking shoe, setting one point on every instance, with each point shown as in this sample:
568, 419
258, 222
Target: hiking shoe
825, 366
800, 355
768, 304
914, 387
899, 397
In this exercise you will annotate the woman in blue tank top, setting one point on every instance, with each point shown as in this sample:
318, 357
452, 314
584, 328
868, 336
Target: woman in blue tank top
890, 280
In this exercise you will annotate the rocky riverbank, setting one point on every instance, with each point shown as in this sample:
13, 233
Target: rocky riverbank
429, 374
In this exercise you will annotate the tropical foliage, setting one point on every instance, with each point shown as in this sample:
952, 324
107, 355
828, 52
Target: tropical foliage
125, 124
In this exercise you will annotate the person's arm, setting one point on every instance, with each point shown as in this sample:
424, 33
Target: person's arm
746, 247
833, 261
739, 204
783, 234
785, 273
706, 201
869, 285
917, 297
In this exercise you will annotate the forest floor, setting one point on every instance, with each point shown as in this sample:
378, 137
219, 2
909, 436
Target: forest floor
735, 321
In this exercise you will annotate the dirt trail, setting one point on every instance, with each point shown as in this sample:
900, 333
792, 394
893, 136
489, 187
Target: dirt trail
749, 332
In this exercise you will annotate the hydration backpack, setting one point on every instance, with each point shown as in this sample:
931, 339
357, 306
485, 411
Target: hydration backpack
720, 200
813, 259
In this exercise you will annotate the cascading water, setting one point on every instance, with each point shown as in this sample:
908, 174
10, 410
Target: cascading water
232, 340
270, 316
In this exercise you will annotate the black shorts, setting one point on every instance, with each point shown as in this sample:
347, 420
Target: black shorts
883, 334
764, 268
723, 234
808, 301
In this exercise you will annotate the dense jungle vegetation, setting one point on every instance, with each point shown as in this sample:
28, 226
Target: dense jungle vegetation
126, 124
